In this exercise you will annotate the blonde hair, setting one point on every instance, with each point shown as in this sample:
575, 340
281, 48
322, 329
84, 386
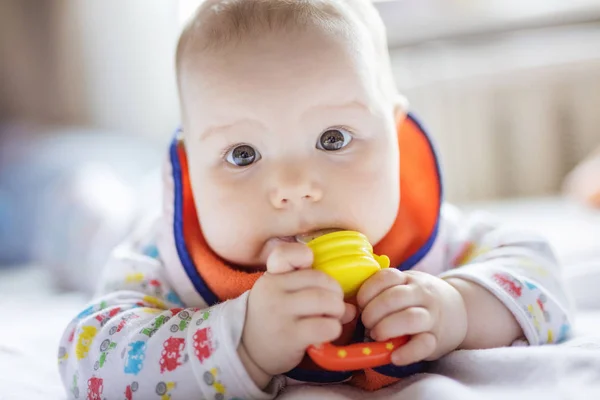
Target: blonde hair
219, 23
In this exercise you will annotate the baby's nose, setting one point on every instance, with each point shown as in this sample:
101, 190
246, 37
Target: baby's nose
298, 195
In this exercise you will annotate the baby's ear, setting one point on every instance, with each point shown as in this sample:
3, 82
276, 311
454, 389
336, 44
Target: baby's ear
400, 108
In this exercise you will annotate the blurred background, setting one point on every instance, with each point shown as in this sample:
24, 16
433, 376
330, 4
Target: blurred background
510, 90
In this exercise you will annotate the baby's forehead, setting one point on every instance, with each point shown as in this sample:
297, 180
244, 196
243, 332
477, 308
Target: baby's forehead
315, 71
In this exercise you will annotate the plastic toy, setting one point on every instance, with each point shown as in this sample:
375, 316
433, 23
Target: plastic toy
348, 257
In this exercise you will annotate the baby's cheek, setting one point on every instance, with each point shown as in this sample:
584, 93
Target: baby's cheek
378, 174
380, 163
371, 200
231, 226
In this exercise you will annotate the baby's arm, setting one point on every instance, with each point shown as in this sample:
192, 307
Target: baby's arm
510, 282
138, 337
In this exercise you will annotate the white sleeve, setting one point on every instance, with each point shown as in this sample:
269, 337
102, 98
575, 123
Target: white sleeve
136, 340
518, 267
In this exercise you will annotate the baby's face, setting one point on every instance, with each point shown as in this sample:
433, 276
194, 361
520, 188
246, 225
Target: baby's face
288, 136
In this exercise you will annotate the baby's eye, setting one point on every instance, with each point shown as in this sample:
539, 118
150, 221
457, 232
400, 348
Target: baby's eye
243, 155
334, 139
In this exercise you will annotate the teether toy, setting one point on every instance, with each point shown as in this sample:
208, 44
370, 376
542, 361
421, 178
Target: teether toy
348, 257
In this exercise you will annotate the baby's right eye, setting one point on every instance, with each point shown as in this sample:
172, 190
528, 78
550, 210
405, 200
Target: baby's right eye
242, 155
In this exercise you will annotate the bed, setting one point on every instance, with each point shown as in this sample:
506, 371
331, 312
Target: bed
32, 316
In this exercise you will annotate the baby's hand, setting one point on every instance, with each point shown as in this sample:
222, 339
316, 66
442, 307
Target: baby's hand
290, 308
413, 303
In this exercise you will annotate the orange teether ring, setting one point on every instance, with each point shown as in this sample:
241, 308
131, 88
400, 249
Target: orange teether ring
355, 356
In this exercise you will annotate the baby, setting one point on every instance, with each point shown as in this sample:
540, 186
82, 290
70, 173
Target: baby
291, 125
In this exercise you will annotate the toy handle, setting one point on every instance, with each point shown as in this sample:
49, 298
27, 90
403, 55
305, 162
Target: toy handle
355, 356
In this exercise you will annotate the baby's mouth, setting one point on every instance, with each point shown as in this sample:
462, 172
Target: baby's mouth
287, 239
308, 236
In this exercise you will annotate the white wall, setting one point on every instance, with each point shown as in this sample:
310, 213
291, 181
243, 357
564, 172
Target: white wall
128, 63
412, 21
511, 114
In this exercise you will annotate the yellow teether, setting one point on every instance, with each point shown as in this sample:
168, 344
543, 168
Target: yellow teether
348, 257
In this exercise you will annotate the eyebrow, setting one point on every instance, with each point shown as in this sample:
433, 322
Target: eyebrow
351, 104
213, 130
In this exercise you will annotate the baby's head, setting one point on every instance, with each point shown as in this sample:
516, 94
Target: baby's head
289, 116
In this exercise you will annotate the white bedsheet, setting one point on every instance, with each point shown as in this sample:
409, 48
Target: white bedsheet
534, 373
32, 318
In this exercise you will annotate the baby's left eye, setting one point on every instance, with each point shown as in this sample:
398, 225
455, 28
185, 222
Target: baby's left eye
334, 139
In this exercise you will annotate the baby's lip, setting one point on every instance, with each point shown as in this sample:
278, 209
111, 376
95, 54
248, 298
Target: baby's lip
288, 239
308, 236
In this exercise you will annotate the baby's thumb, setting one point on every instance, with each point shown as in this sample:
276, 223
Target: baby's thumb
287, 257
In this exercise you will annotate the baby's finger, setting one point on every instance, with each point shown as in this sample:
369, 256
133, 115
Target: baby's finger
314, 302
287, 257
308, 278
418, 348
379, 282
316, 331
349, 313
411, 321
391, 300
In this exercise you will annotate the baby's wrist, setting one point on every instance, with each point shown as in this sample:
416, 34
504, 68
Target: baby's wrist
490, 324
458, 322
260, 377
